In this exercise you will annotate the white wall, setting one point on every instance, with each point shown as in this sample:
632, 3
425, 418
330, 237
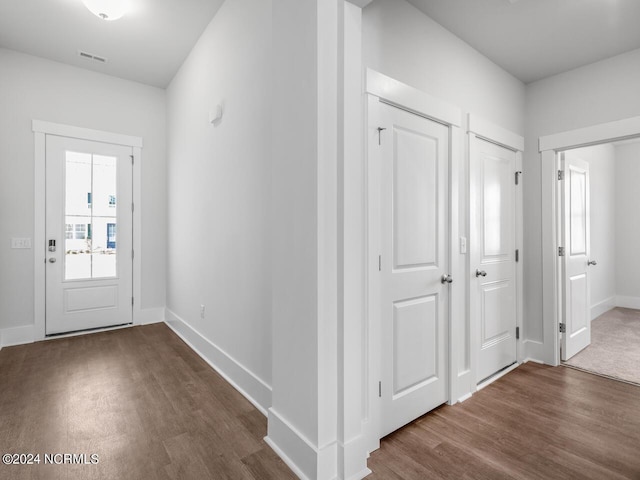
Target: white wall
219, 186
601, 92
628, 225
402, 42
34, 88
602, 175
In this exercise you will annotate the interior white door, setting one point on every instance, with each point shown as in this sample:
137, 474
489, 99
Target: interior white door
493, 266
89, 235
576, 284
415, 255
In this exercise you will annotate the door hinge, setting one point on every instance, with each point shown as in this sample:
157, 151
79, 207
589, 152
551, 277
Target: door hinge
517, 255
563, 327
132, 207
131, 254
517, 333
561, 251
560, 174
380, 389
380, 129
379, 263
131, 159
518, 177
132, 301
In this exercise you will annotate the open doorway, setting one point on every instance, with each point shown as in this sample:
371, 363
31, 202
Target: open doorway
600, 231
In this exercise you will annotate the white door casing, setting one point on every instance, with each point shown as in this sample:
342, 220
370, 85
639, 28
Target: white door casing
493, 291
575, 262
88, 277
414, 258
547, 347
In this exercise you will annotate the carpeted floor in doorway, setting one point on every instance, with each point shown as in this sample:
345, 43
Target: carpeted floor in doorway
615, 346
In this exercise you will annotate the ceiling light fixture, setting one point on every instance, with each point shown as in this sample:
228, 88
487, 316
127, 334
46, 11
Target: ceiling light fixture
107, 9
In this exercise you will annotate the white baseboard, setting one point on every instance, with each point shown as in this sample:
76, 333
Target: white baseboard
534, 360
288, 462
603, 307
463, 386
628, 302
27, 334
301, 456
310, 462
537, 352
242, 379
352, 459
466, 396
148, 316
17, 335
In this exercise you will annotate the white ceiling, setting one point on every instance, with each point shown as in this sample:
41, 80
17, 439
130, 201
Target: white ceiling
533, 39
147, 45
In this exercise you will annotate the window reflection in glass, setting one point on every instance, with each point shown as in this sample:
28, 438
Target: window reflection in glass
90, 216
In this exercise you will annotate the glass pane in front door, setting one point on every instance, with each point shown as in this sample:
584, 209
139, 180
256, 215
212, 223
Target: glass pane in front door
90, 216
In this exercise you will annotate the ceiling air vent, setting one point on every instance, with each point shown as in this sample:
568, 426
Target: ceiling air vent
91, 56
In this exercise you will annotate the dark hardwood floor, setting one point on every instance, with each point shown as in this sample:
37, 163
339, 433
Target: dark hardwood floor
536, 422
152, 409
139, 398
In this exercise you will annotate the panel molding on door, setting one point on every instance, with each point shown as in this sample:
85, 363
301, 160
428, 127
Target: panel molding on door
89, 231
493, 290
414, 304
577, 246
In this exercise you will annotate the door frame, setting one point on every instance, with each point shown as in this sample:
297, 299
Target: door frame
548, 349
41, 129
482, 129
380, 88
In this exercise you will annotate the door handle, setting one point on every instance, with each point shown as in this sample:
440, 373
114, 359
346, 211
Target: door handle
592, 262
52, 260
446, 278
481, 273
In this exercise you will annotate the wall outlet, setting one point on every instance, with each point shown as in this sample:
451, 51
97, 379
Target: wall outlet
20, 243
201, 311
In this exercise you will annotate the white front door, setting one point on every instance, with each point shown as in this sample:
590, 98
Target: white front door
88, 235
576, 241
493, 249
415, 255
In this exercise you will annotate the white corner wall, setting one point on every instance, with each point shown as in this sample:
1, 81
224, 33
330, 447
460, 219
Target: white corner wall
219, 186
598, 93
34, 88
602, 175
628, 226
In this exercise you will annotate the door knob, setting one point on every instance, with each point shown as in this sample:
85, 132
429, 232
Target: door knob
592, 262
446, 278
481, 273
52, 260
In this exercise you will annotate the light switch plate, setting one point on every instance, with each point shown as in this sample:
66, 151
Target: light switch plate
20, 243
463, 244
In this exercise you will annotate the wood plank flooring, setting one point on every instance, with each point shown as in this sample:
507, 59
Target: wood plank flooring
536, 422
153, 410
139, 398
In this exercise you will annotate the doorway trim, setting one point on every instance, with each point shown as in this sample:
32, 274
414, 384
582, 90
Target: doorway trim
380, 88
482, 129
548, 350
41, 129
